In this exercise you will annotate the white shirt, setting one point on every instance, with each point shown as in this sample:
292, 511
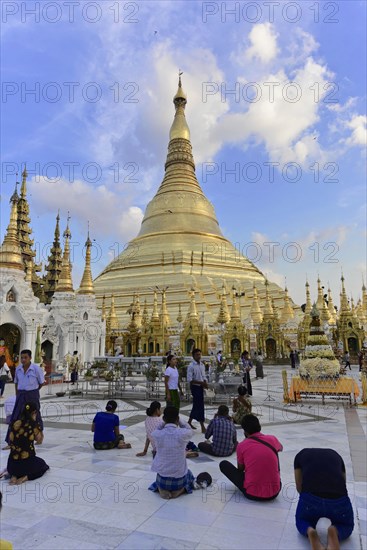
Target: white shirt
9, 404
5, 371
196, 371
170, 441
173, 378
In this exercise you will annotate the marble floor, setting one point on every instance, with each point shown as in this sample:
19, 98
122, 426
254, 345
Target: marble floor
100, 499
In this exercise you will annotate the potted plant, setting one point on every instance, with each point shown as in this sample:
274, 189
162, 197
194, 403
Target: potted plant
88, 374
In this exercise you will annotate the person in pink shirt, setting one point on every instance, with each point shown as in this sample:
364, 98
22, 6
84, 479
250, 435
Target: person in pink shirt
257, 474
152, 422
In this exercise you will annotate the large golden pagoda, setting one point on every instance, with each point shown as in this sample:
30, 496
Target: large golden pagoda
180, 246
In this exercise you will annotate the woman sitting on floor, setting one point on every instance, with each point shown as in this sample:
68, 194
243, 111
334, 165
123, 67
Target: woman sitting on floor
23, 464
106, 428
241, 405
152, 421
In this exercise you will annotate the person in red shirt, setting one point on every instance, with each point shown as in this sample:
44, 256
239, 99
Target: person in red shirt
257, 474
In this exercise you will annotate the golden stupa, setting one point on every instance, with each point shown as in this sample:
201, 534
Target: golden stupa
180, 246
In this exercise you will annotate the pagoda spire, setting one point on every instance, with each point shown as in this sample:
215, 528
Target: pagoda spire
223, 316
287, 313
23, 221
86, 285
65, 283
179, 128
255, 312
364, 300
113, 323
165, 319
155, 314
145, 316
10, 251
344, 306
320, 303
193, 314
308, 300
268, 308
331, 308
179, 316
53, 268
235, 312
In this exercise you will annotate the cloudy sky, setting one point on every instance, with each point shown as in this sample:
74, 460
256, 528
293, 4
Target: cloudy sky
276, 109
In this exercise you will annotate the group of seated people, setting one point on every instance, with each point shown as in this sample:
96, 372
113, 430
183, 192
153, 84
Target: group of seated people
319, 473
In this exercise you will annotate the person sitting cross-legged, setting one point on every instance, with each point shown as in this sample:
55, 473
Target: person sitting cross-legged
170, 440
224, 434
106, 429
257, 474
320, 480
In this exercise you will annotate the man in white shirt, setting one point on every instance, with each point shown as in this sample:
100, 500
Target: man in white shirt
196, 377
170, 440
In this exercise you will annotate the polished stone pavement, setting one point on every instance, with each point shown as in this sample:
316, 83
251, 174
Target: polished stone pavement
99, 499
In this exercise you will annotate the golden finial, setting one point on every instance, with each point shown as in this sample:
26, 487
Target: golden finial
179, 128
65, 283
10, 251
86, 285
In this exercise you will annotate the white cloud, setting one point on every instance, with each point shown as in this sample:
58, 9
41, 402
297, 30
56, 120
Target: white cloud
359, 131
107, 212
263, 40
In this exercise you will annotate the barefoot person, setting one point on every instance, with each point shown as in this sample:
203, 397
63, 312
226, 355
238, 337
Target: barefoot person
106, 429
152, 421
196, 377
23, 464
320, 481
257, 474
224, 434
29, 379
241, 405
172, 382
173, 477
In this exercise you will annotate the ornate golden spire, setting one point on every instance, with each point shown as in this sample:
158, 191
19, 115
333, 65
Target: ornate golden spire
53, 268
113, 322
65, 283
23, 221
235, 312
268, 308
28, 272
145, 316
165, 319
155, 314
223, 315
364, 301
192, 314
179, 128
287, 313
308, 300
255, 312
86, 285
320, 304
10, 252
344, 306
331, 308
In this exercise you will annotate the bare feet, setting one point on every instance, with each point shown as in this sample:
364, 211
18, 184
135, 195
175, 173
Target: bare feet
191, 426
6, 448
332, 538
203, 429
175, 494
313, 537
21, 480
143, 453
13, 481
123, 445
4, 473
191, 454
165, 494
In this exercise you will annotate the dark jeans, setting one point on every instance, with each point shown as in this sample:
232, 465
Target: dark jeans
105, 445
311, 508
207, 448
237, 476
2, 386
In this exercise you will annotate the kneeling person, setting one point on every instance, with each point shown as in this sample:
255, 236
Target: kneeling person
224, 434
106, 428
257, 474
320, 481
170, 440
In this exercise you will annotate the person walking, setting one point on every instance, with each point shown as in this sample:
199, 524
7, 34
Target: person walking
247, 366
5, 375
28, 380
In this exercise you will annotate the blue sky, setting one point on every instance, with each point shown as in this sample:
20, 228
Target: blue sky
95, 134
